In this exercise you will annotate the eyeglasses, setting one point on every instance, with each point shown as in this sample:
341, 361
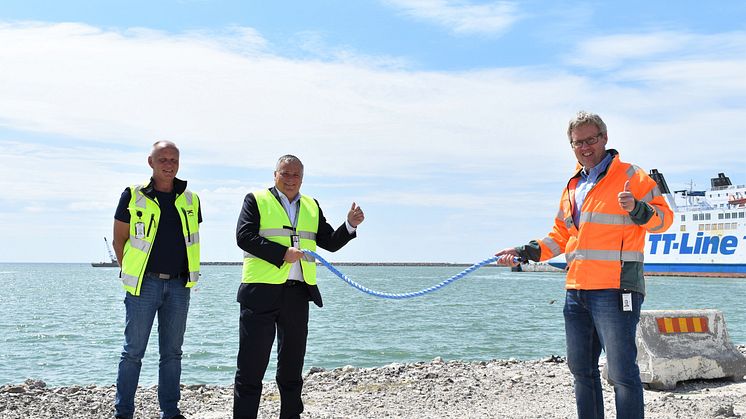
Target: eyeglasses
289, 175
589, 141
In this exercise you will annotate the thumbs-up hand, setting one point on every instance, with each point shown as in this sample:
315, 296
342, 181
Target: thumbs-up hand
355, 216
626, 199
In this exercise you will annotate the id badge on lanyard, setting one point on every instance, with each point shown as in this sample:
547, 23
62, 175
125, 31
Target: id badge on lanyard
139, 230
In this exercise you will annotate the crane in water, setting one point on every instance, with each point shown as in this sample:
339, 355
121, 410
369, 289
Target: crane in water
112, 263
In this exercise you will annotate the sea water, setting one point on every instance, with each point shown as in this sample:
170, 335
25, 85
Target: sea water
63, 323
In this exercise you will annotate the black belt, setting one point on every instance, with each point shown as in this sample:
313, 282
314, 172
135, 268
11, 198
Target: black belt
293, 283
166, 276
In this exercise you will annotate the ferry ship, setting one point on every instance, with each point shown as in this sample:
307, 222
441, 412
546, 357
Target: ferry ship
708, 234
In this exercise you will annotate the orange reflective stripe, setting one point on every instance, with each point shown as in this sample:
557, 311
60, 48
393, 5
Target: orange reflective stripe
668, 325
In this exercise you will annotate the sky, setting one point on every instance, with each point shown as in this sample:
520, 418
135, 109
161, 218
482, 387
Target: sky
444, 120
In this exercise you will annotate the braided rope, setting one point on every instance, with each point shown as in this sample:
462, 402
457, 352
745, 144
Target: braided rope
392, 296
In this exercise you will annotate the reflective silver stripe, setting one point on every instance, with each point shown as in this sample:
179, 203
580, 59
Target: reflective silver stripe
654, 193
661, 216
560, 214
283, 232
552, 245
632, 170
307, 235
602, 218
605, 255
139, 244
270, 232
192, 239
193, 276
306, 257
140, 200
188, 197
129, 280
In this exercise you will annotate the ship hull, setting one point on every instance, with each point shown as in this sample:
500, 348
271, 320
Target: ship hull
684, 269
104, 264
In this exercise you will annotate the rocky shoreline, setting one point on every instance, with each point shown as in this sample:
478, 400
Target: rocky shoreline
437, 389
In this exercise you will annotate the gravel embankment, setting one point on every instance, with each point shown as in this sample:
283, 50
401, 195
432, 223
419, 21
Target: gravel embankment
436, 389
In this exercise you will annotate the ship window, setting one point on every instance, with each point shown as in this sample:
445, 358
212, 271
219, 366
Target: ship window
682, 227
683, 217
720, 216
701, 227
720, 226
707, 216
734, 215
695, 217
741, 214
707, 227
727, 216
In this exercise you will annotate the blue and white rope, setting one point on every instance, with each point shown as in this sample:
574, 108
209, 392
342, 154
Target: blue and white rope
392, 296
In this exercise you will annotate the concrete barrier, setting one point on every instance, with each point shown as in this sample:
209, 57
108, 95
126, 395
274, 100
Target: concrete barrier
678, 345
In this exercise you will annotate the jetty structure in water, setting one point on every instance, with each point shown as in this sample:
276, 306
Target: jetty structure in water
112, 260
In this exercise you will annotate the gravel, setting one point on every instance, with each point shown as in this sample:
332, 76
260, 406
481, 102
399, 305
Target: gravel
436, 389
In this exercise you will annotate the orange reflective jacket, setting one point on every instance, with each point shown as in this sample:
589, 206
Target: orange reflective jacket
606, 249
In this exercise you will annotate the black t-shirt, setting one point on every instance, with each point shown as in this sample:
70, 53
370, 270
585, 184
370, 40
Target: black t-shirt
168, 254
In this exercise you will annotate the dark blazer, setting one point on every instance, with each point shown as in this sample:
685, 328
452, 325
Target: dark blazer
262, 296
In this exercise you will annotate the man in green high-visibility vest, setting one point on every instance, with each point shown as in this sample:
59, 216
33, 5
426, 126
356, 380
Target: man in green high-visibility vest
274, 227
156, 240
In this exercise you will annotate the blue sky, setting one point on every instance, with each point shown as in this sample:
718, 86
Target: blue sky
445, 120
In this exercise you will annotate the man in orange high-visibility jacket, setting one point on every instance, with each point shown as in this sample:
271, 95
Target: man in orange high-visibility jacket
605, 211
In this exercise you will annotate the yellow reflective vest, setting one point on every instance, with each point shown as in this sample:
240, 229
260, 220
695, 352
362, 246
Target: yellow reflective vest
274, 225
145, 214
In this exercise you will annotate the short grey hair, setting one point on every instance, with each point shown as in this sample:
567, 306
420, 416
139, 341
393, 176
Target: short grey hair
161, 144
585, 118
288, 158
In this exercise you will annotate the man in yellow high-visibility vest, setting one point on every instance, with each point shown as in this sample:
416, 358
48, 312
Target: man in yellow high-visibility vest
156, 240
274, 227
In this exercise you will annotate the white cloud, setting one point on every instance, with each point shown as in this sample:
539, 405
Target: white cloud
462, 17
621, 50
246, 109
315, 43
465, 153
614, 50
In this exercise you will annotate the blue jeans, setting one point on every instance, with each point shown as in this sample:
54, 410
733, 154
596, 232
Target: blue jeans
170, 300
594, 320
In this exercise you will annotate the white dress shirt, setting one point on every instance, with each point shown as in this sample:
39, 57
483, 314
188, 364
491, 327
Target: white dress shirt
292, 209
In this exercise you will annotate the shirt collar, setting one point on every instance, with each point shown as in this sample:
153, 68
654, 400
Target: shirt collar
597, 169
284, 198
